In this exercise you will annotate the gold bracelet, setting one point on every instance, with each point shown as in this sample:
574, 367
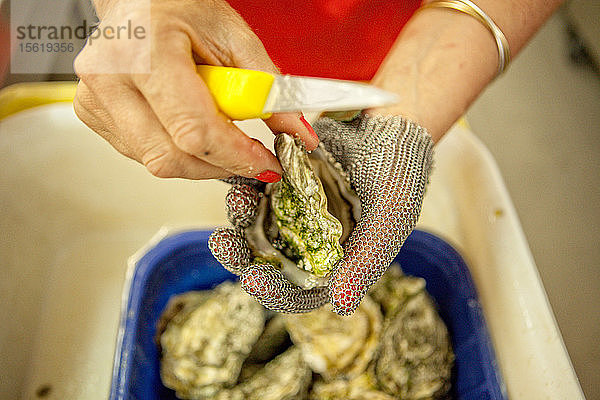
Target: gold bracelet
470, 8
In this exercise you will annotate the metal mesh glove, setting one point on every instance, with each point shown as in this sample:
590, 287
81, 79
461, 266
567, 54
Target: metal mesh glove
268, 285
388, 160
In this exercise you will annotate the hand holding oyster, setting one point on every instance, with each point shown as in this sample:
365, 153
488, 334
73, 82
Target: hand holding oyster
303, 220
286, 245
298, 226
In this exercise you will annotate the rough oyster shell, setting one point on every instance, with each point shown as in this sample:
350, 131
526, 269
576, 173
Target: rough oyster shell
394, 289
336, 346
304, 218
404, 354
415, 358
361, 388
205, 343
274, 338
286, 377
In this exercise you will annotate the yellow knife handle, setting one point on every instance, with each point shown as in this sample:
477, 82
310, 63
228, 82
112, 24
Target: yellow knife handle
239, 93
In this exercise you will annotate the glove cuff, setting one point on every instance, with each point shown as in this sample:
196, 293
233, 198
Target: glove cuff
357, 142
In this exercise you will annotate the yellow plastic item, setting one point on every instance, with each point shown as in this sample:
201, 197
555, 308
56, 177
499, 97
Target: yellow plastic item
239, 93
22, 96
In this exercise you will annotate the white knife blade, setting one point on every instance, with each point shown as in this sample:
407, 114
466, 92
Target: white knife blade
297, 93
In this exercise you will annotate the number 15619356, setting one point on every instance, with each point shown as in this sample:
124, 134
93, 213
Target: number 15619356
47, 47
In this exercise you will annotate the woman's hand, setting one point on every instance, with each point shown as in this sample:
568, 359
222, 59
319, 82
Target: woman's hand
167, 119
388, 160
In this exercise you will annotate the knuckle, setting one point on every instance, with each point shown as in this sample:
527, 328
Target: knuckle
89, 62
144, 82
162, 164
190, 133
248, 40
249, 49
169, 47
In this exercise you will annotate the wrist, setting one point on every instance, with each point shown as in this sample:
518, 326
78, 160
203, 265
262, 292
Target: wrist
438, 65
443, 59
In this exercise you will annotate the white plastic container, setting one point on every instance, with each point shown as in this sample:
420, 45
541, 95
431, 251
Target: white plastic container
73, 211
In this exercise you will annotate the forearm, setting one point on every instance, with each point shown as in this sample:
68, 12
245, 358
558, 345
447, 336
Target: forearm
443, 59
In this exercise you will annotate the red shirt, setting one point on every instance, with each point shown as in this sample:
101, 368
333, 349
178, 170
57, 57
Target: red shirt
4, 48
344, 39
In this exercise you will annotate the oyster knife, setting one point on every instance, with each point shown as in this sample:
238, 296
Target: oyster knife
244, 94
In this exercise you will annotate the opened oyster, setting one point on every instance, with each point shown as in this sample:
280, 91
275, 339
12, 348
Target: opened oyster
303, 220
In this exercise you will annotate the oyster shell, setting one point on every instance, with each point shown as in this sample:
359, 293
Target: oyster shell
336, 346
303, 220
286, 377
216, 344
394, 289
362, 387
205, 343
273, 340
415, 358
179, 308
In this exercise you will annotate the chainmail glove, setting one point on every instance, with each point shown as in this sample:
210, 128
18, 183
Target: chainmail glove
388, 160
229, 246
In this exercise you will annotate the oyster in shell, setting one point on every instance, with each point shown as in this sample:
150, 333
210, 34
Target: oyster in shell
394, 289
415, 358
362, 387
286, 377
336, 346
217, 345
303, 220
206, 339
271, 342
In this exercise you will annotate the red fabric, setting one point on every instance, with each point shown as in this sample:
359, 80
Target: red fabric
4, 48
344, 39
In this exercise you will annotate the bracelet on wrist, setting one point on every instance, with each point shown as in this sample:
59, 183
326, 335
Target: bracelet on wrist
470, 8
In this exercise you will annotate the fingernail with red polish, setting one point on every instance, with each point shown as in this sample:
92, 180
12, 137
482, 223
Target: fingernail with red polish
268, 176
310, 128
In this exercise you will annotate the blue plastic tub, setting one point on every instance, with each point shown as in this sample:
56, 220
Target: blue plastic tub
183, 262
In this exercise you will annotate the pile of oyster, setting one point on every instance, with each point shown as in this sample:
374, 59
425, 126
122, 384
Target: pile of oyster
221, 344
303, 220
